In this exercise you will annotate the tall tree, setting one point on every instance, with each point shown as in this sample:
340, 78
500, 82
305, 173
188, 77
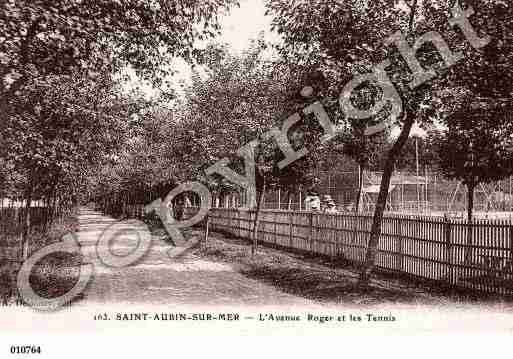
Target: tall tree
347, 38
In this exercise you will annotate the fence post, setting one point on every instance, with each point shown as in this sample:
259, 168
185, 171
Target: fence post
400, 251
275, 228
311, 231
291, 243
511, 241
448, 250
239, 228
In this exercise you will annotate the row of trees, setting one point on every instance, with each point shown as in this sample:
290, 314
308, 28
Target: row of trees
236, 99
232, 100
68, 129
63, 111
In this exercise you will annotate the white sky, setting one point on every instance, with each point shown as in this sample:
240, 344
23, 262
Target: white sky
241, 25
245, 23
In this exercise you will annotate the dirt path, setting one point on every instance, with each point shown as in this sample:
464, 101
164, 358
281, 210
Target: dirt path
158, 279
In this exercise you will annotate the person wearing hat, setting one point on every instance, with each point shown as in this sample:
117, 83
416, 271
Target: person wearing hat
326, 198
329, 204
331, 207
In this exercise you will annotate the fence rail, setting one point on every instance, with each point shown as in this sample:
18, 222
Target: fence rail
477, 256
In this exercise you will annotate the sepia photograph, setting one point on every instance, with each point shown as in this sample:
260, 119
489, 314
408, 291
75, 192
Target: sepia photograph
254, 168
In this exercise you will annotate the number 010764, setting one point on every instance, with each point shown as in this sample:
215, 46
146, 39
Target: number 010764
25, 349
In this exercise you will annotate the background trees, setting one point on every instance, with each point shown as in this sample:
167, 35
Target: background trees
476, 146
346, 37
364, 150
236, 100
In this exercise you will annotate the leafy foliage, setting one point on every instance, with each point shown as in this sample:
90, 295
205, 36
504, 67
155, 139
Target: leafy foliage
346, 38
476, 146
65, 37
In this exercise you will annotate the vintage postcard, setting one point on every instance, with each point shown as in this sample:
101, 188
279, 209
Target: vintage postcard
256, 169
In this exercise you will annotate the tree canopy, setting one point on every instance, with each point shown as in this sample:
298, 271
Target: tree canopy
44, 38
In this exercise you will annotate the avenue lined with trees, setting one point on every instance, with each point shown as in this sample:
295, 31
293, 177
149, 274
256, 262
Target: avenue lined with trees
73, 130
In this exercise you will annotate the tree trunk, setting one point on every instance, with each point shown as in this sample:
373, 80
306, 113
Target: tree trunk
470, 200
53, 209
360, 185
26, 222
256, 222
207, 225
372, 247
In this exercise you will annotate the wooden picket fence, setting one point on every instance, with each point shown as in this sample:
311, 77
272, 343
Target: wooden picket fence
11, 227
454, 253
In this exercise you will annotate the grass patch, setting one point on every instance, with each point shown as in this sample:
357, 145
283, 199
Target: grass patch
324, 280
